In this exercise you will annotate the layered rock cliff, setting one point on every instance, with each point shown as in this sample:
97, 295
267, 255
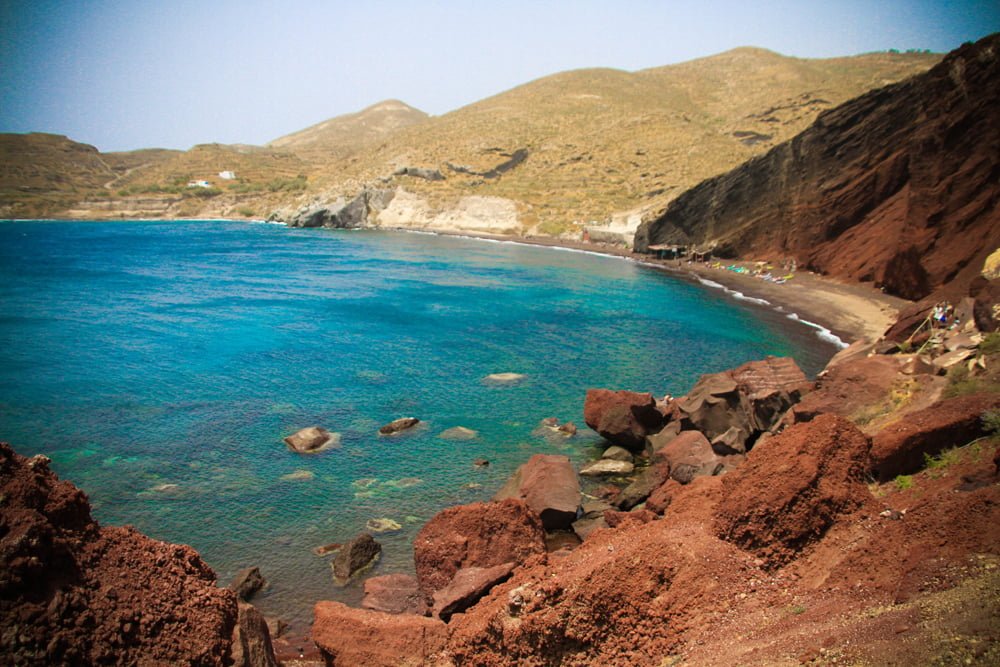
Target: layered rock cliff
898, 186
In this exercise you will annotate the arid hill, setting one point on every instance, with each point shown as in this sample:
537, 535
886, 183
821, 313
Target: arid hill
898, 186
592, 145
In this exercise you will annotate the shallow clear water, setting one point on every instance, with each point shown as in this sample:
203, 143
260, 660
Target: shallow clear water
144, 354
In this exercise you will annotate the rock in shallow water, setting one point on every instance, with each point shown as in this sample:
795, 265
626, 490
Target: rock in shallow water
504, 378
606, 467
312, 439
382, 526
355, 556
399, 425
458, 433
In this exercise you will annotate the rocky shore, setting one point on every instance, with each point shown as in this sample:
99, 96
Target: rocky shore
832, 514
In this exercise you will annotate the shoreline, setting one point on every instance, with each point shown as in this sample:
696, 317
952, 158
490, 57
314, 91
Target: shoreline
839, 311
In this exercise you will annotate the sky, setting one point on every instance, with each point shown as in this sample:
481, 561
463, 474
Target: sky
134, 74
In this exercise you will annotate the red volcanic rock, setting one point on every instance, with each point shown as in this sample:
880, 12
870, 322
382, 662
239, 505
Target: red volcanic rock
624, 418
476, 535
852, 386
897, 186
690, 455
648, 479
621, 598
900, 448
792, 489
549, 485
618, 519
72, 592
395, 594
350, 636
467, 587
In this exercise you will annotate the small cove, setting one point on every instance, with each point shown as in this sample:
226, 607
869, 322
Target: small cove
159, 364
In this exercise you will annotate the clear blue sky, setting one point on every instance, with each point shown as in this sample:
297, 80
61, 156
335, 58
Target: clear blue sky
131, 74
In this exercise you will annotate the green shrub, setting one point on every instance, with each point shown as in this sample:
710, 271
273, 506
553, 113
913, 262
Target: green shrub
991, 421
903, 482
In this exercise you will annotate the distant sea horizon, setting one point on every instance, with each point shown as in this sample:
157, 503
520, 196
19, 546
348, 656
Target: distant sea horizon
160, 363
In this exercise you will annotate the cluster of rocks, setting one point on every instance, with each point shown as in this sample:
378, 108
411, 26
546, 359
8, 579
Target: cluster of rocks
75, 592
357, 212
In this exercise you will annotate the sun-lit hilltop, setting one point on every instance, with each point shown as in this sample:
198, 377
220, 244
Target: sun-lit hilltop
574, 147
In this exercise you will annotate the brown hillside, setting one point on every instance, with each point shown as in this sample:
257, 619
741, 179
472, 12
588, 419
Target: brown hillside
898, 186
340, 136
602, 140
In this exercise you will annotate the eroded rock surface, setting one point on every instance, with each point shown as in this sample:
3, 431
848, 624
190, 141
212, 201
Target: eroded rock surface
73, 592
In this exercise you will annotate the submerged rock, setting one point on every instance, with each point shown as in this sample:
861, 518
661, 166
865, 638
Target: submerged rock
312, 439
298, 475
382, 525
458, 433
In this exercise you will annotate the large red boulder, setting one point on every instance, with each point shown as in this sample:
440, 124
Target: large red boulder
467, 587
395, 594
73, 592
476, 535
350, 636
690, 455
549, 485
623, 418
900, 448
792, 488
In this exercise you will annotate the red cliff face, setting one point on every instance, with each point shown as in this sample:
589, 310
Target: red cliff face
74, 593
899, 186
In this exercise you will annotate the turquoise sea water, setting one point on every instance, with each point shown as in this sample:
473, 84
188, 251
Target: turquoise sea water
159, 364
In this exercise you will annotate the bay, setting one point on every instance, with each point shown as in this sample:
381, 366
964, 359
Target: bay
159, 364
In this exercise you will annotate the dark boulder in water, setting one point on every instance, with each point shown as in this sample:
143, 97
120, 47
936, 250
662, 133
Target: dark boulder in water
399, 425
355, 556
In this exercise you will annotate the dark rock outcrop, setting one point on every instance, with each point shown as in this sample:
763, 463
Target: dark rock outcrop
478, 535
73, 592
420, 172
549, 485
355, 556
898, 186
901, 448
733, 407
623, 418
398, 425
343, 214
247, 582
252, 639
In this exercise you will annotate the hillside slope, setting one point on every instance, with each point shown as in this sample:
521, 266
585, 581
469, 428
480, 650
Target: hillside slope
342, 135
598, 142
899, 186
579, 147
